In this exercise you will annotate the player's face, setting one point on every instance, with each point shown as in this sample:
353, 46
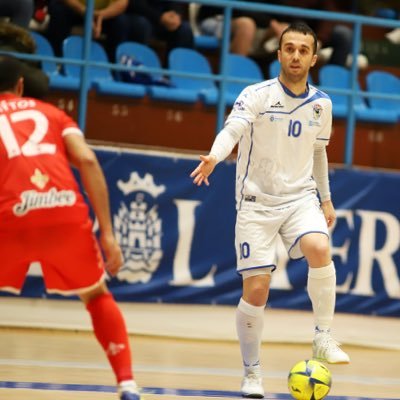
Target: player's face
296, 56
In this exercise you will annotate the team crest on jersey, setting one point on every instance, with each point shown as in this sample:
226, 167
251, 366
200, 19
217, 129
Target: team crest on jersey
239, 105
317, 111
138, 228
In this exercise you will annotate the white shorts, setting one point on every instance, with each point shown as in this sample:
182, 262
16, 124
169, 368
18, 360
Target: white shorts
257, 234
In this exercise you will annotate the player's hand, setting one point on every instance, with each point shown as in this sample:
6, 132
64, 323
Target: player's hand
203, 170
112, 253
329, 212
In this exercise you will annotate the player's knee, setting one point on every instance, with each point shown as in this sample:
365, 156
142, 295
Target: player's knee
257, 294
93, 293
315, 246
321, 250
318, 254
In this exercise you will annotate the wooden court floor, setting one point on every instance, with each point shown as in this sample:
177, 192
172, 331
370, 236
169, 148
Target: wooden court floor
42, 364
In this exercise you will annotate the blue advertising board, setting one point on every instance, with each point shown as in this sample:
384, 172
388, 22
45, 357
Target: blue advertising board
178, 239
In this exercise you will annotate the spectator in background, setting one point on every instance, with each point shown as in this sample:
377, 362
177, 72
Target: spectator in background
329, 33
243, 28
161, 20
17, 39
19, 12
40, 18
108, 18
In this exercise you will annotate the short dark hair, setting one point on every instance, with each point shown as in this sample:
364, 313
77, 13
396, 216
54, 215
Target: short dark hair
10, 72
300, 27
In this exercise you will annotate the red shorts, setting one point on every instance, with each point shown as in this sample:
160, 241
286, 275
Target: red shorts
69, 255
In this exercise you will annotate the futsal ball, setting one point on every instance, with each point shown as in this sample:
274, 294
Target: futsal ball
309, 380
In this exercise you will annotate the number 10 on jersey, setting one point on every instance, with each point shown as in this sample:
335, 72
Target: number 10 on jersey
294, 128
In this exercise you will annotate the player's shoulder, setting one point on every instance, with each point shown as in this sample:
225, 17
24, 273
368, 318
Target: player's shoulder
319, 94
260, 90
266, 86
45, 106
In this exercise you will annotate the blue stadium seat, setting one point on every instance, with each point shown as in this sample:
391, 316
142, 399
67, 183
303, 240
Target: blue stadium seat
56, 80
385, 83
142, 53
274, 69
338, 77
204, 42
240, 67
335, 76
101, 79
73, 48
187, 89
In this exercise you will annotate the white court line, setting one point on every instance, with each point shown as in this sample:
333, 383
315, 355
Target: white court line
370, 380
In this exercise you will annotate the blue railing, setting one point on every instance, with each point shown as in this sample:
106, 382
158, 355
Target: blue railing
357, 20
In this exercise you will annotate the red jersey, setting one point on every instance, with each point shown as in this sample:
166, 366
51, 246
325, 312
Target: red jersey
37, 185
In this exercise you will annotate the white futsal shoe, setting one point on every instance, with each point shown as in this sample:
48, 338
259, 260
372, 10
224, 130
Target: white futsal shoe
325, 348
128, 390
252, 386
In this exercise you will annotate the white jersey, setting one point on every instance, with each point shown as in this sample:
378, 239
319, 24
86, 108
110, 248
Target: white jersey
277, 132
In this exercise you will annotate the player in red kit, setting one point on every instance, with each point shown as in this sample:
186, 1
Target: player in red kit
44, 218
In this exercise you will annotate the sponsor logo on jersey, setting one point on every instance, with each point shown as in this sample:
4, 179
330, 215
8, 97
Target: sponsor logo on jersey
273, 118
38, 179
138, 228
317, 111
314, 123
277, 105
34, 200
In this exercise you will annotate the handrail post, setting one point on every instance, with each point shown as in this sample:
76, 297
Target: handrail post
223, 67
83, 92
351, 122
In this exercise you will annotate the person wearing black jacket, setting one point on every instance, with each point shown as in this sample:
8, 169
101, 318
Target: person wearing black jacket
19, 12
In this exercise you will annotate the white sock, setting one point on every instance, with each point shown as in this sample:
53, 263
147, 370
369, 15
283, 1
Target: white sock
321, 288
249, 326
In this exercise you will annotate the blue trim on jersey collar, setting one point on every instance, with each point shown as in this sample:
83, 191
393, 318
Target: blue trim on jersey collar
317, 95
267, 84
291, 94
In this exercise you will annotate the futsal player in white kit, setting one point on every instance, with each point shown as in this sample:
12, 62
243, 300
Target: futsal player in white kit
282, 127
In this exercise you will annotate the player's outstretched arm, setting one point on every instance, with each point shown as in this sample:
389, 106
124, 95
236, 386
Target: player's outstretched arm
83, 157
204, 170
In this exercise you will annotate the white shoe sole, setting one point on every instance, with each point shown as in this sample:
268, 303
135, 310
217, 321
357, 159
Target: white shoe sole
332, 362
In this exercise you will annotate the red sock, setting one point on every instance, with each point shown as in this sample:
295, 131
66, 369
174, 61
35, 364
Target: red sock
110, 330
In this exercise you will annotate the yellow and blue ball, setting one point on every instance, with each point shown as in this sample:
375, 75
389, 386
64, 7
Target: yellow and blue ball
309, 380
